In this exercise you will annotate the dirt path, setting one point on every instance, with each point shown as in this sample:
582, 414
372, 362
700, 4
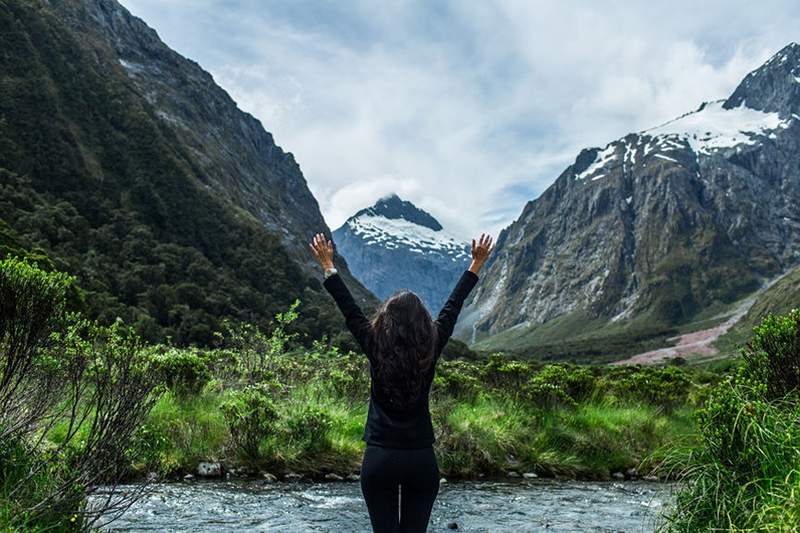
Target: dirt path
697, 343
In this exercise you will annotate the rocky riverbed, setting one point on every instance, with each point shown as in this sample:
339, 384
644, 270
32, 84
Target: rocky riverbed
520, 505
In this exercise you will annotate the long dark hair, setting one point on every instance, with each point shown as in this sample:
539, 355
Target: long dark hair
405, 341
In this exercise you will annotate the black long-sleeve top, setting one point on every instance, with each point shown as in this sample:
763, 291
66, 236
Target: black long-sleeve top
411, 428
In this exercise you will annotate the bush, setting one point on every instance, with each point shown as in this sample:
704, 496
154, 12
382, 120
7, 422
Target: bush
184, 371
744, 474
503, 372
251, 415
559, 385
456, 378
666, 387
309, 427
32, 308
83, 387
772, 357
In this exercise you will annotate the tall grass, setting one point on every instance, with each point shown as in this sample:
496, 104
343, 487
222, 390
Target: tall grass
744, 473
488, 434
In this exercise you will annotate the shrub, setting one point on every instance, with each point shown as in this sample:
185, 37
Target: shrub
257, 352
772, 357
743, 475
184, 371
32, 308
347, 374
309, 427
251, 415
664, 387
559, 385
456, 378
503, 372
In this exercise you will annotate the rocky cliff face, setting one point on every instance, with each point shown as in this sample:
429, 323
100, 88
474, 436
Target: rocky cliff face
393, 245
657, 227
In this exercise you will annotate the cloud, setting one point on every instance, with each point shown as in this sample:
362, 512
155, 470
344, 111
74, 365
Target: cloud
468, 109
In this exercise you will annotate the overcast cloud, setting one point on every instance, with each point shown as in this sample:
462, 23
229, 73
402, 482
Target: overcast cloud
467, 108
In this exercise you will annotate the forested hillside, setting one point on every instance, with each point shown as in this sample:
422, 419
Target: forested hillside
95, 175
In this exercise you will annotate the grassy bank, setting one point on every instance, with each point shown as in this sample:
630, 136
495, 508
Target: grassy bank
260, 404
490, 434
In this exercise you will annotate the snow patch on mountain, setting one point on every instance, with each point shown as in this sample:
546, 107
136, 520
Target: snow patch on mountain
602, 158
391, 233
713, 127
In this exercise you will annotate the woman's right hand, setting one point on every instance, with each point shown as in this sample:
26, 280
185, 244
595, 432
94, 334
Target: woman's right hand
322, 249
480, 252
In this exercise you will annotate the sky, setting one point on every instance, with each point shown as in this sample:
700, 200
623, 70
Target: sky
468, 108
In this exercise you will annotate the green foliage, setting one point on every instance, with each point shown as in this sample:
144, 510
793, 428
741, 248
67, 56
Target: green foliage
251, 415
458, 379
559, 385
181, 431
499, 369
256, 350
23, 482
309, 427
667, 387
744, 473
71, 396
772, 357
182, 371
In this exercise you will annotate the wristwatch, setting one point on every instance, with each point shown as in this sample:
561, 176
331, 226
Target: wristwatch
330, 272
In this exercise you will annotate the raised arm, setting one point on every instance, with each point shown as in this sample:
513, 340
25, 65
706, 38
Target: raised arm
354, 318
446, 321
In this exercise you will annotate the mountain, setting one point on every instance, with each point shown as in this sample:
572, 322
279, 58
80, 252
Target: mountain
130, 168
653, 231
779, 299
394, 244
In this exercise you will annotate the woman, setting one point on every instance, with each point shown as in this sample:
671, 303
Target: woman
402, 344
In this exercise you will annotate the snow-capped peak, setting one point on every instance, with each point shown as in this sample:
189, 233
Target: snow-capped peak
395, 232
393, 207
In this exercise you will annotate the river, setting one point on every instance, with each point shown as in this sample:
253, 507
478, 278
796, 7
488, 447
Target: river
524, 505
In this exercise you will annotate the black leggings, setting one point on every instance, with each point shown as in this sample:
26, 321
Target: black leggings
415, 471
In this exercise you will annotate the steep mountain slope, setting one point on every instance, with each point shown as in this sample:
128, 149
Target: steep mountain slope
130, 168
394, 245
656, 229
779, 299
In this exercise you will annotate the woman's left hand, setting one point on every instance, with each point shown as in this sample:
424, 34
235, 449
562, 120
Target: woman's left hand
322, 249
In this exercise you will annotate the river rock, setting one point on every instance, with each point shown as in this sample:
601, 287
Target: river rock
188, 477
269, 478
650, 478
530, 475
209, 469
618, 475
452, 525
333, 477
443, 480
632, 473
353, 477
512, 473
292, 476
151, 477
